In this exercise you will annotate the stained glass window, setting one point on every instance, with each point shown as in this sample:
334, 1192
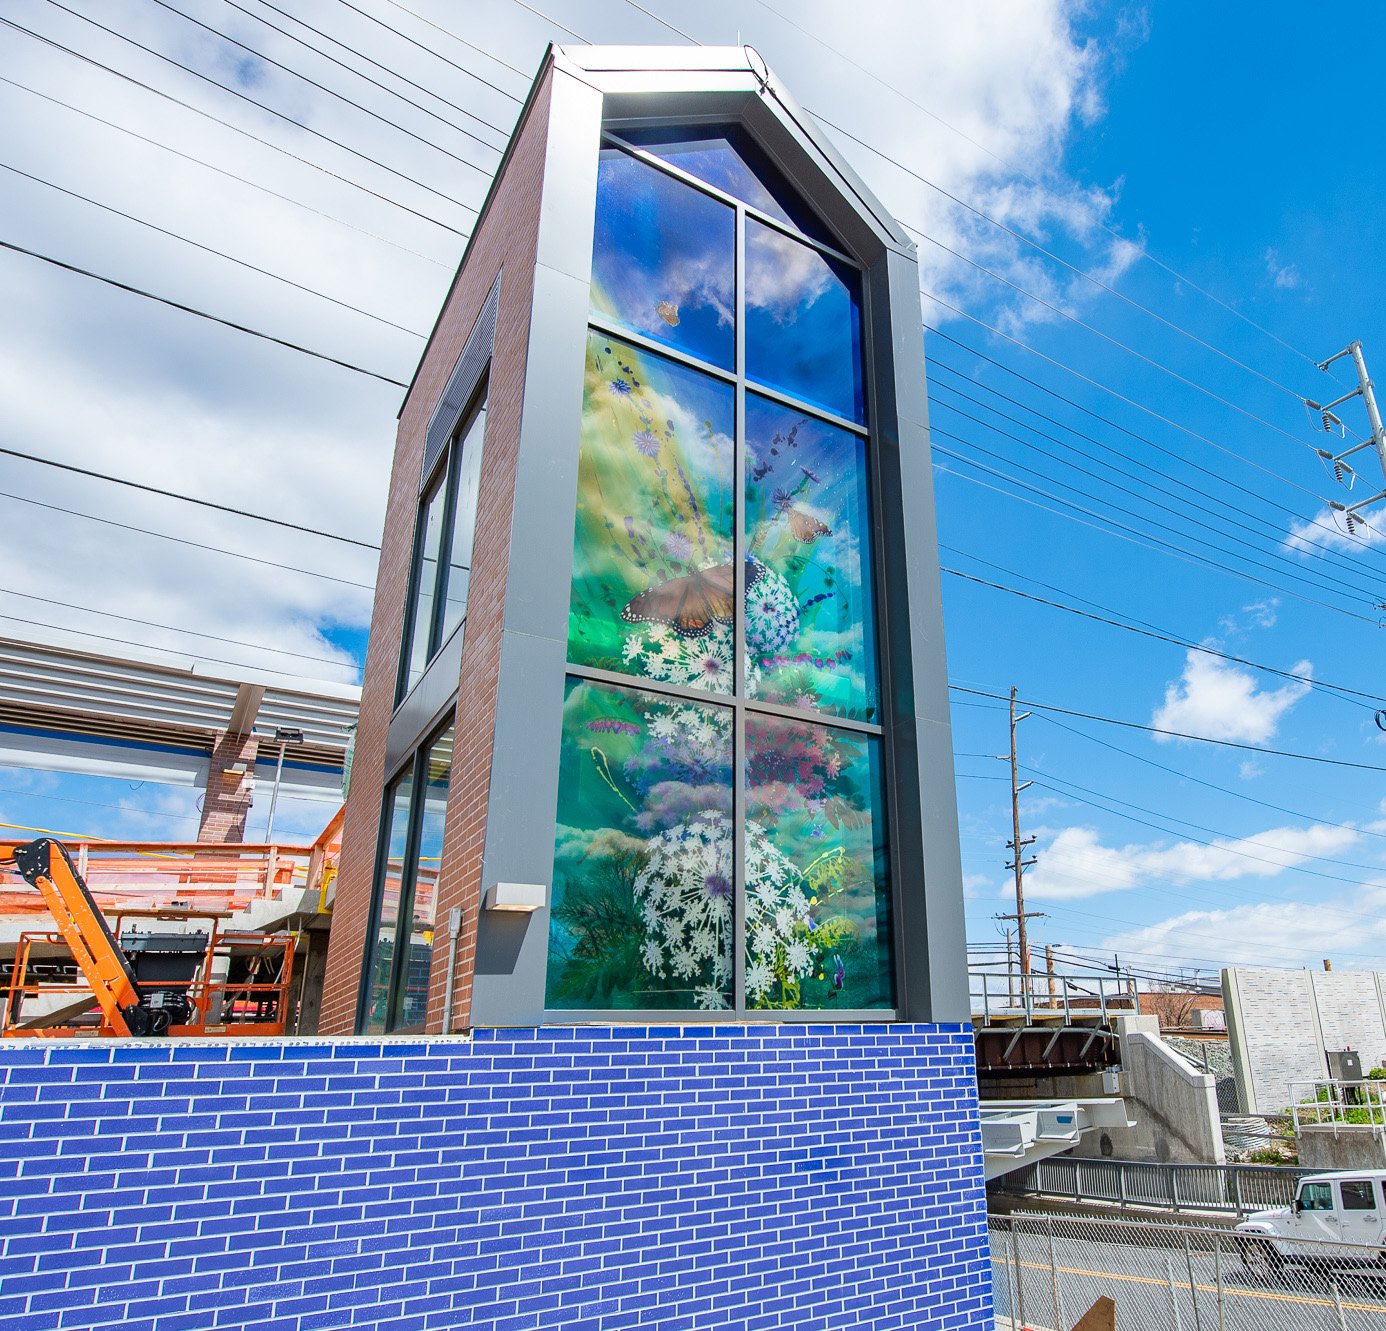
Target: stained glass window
803, 322
726, 157
664, 259
721, 836
652, 558
817, 892
810, 615
643, 902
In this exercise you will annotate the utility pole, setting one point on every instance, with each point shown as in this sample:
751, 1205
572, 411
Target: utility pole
1342, 469
1018, 861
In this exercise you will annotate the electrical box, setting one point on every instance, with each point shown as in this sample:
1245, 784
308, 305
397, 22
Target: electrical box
1344, 1064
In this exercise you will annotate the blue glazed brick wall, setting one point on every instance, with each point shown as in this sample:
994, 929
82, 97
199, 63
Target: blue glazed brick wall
590, 1178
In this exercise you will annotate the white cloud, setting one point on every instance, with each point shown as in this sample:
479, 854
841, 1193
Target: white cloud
1285, 276
1220, 700
1327, 529
1075, 863
1350, 929
1250, 770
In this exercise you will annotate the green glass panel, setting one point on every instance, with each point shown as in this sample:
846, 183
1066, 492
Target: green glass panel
810, 613
424, 901
664, 259
381, 964
643, 900
818, 931
653, 590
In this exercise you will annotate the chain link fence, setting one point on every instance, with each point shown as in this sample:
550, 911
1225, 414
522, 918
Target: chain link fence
1048, 1270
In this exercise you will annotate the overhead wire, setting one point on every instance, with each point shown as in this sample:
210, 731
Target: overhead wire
68, 511
1290, 569
447, 32
235, 129
209, 249
222, 171
201, 314
92, 474
332, 92
1242, 491
264, 106
1174, 734
1121, 530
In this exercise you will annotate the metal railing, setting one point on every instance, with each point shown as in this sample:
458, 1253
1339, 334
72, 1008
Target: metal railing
1047, 1271
1337, 1104
999, 995
1230, 1189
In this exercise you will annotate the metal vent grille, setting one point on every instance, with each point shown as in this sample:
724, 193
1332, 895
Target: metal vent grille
471, 365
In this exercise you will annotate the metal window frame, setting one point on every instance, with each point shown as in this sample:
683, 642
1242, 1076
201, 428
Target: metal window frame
415, 766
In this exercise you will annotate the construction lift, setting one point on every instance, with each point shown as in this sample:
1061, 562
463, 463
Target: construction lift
194, 981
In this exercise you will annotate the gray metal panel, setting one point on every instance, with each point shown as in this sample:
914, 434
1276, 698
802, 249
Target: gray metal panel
426, 702
931, 933
512, 950
462, 383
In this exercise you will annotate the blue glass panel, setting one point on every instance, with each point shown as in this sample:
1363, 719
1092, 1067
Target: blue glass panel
643, 900
664, 259
803, 322
728, 159
810, 606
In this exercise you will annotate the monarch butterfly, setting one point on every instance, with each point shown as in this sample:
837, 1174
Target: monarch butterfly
691, 604
805, 527
669, 312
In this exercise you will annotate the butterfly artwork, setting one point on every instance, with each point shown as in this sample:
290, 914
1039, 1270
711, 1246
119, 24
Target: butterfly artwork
804, 527
669, 312
693, 603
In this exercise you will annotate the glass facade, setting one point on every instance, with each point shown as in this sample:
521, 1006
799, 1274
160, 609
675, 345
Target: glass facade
721, 832
404, 908
443, 536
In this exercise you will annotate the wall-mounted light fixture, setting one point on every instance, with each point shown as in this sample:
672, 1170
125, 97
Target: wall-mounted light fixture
526, 897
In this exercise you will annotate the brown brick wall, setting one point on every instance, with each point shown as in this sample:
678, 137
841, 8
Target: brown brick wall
226, 799
505, 239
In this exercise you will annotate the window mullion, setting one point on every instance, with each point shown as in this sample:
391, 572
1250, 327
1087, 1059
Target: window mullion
739, 654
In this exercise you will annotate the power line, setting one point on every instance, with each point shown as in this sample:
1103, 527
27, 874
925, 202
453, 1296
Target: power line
69, 632
1049, 254
1211, 785
222, 171
1174, 734
375, 64
447, 32
1293, 570
184, 498
263, 106
1241, 490
181, 540
1336, 689
332, 92
201, 314
1121, 397
170, 628
208, 249
1017, 171
235, 129
1136, 536
386, 69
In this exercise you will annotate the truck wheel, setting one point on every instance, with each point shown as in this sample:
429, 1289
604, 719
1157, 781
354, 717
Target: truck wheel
1260, 1256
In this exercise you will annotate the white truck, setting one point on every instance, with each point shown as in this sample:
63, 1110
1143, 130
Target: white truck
1338, 1218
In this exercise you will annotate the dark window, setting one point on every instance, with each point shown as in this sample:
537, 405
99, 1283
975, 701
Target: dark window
404, 909
443, 550
1316, 1197
1357, 1195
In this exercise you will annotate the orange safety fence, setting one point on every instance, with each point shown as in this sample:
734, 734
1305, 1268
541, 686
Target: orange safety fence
224, 876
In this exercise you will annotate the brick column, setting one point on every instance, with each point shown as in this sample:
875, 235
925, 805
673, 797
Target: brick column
227, 797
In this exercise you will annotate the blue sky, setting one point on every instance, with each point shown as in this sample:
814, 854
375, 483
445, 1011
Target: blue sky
1237, 144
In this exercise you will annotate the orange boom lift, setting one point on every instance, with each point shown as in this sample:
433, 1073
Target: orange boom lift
144, 984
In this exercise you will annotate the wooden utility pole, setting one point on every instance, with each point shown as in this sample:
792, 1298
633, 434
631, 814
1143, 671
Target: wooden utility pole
1018, 861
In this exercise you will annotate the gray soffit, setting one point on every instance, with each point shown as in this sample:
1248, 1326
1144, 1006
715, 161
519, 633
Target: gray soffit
124, 699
